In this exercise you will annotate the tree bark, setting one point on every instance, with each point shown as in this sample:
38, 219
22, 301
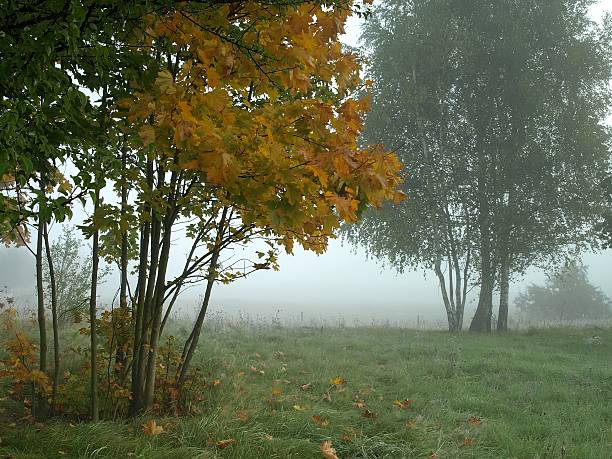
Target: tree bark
56, 345
450, 311
92, 319
481, 322
504, 286
40, 407
120, 357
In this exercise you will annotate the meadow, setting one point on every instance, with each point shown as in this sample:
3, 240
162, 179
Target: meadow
369, 392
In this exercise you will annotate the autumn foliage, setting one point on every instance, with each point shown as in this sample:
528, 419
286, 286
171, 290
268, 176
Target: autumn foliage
270, 120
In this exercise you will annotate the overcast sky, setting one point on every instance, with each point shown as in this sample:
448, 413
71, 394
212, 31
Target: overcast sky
340, 283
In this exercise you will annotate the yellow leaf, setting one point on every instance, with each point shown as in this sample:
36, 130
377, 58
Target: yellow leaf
327, 451
299, 408
337, 381
277, 391
165, 82
404, 404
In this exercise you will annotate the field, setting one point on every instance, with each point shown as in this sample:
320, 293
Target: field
374, 393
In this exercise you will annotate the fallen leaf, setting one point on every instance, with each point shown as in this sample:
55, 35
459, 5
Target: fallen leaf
369, 414
242, 416
433, 456
411, 423
216, 382
151, 428
327, 397
268, 437
468, 442
298, 408
327, 451
279, 354
337, 381
222, 444
241, 373
359, 403
276, 391
403, 404
305, 386
474, 421
318, 420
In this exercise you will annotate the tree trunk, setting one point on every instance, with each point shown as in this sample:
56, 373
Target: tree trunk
504, 285
481, 322
40, 405
56, 345
450, 311
120, 357
92, 319
192, 341
149, 237
158, 304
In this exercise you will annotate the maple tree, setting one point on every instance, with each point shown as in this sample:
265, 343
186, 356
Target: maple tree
235, 121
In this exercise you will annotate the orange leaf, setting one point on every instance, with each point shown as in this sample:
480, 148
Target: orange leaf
222, 444
151, 428
369, 414
318, 420
474, 421
327, 451
468, 442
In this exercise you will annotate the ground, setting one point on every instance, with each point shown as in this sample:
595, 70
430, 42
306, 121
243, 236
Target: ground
374, 393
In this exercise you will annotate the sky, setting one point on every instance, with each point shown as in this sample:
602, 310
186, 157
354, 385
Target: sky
340, 285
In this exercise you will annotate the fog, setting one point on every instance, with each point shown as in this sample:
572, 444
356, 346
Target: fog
340, 284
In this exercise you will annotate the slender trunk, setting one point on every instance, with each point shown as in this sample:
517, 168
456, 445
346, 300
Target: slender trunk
158, 304
450, 313
160, 286
56, 345
466, 271
120, 357
92, 319
40, 408
136, 401
192, 341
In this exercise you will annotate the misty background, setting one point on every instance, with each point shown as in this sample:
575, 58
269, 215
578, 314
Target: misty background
340, 285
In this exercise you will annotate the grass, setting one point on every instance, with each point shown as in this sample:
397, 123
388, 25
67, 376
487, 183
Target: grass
538, 394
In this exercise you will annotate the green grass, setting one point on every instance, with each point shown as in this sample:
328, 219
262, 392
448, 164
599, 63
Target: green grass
537, 393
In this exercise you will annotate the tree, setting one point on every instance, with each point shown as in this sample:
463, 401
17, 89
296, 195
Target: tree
496, 109
567, 296
72, 275
409, 48
262, 128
